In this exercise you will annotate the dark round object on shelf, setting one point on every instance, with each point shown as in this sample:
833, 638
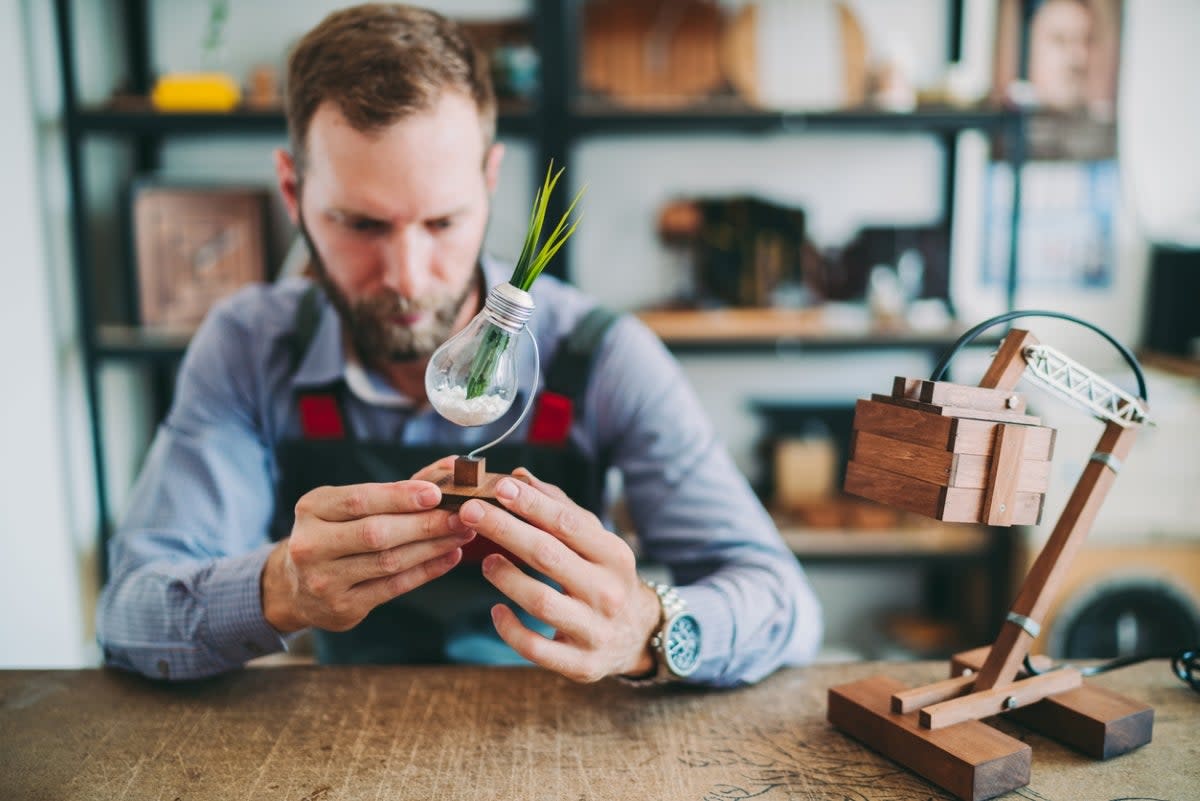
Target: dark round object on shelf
1119, 617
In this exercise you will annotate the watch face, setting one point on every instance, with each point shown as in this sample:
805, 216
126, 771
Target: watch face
683, 645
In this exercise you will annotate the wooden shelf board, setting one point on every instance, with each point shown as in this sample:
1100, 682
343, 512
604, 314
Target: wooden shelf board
597, 114
135, 115
137, 342
781, 327
925, 541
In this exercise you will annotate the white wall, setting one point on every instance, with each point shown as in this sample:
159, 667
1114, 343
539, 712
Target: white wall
42, 566
47, 519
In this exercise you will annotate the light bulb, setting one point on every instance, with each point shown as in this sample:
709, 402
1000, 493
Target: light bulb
471, 379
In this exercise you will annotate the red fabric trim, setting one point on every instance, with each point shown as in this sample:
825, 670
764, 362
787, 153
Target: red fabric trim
320, 417
551, 419
478, 548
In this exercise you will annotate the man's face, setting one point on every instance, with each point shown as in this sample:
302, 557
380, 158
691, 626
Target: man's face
396, 220
1059, 53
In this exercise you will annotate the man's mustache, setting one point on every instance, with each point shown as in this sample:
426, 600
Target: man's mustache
389, 304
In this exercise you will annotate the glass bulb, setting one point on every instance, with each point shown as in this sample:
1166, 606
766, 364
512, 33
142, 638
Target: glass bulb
471, 379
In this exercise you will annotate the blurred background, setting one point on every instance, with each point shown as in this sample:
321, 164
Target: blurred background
804, 198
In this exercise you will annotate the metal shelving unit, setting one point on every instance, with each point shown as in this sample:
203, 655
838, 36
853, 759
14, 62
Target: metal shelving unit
560, 118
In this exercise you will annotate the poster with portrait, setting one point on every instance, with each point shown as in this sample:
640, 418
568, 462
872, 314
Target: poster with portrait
1060, 59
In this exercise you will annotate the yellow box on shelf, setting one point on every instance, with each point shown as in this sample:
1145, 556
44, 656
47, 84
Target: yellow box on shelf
196, 91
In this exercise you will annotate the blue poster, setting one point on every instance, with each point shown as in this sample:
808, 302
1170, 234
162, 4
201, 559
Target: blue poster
1067, 227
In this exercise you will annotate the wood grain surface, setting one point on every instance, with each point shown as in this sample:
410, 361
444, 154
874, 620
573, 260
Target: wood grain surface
312, 733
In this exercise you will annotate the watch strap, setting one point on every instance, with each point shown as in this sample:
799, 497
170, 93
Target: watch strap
671, 605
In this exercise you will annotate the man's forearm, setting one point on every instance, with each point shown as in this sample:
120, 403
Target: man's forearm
186, 621
754, 619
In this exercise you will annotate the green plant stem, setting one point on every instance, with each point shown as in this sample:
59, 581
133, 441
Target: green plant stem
535, 255
495, 340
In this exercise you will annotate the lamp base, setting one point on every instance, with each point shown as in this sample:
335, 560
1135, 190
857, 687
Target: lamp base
971, 759
468, 479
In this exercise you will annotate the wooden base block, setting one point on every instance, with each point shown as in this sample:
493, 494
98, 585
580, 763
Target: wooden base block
455, 494
1094, 721
971, 760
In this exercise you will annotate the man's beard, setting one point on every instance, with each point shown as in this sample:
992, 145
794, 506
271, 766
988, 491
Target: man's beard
378, 337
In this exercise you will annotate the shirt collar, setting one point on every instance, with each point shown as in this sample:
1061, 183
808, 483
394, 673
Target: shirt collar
325, 360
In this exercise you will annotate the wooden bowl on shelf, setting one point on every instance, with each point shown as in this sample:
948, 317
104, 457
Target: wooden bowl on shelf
652, 53
804, 56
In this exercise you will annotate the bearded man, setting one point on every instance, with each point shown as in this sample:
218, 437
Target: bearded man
286, 490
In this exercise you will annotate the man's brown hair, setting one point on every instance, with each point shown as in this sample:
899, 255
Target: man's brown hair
379, 63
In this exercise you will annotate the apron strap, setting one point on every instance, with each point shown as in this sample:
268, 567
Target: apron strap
572, 365
320, 410
561, 402
308, 317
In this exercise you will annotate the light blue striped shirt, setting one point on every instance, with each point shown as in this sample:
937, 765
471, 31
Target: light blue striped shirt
183, 599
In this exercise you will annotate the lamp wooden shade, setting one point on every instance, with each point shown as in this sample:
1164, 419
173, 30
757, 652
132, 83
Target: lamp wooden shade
954, 453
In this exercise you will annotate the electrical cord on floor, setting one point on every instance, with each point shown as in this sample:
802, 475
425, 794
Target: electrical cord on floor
1185, 664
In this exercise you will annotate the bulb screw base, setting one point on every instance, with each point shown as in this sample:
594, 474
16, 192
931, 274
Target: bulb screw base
508, 308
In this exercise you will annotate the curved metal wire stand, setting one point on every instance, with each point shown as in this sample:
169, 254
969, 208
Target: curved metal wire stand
537, 374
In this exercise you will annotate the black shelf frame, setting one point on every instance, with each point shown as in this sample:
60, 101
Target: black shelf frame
591, 119
792, 346
559, 118
138, 121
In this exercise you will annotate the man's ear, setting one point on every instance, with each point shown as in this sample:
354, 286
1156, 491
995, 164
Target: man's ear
491, 166
289, 186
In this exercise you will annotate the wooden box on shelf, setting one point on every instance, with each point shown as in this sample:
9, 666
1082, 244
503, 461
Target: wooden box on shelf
955, 453
195, 244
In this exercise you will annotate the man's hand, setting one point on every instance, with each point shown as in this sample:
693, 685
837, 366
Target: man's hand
355, 547
603, 616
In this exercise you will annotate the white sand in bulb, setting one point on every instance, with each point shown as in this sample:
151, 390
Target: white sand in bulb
452, 403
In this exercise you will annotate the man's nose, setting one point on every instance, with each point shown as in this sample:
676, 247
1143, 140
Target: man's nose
406, 262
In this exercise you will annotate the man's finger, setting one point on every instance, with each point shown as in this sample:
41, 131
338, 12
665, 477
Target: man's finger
435, 470
570, 523
542, 551
361, 567
381, 590
556, 656
369, 535
338, 504
538, 598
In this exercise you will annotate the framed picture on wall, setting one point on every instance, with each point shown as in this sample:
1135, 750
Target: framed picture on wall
1061, 58
195, 245
1068, 225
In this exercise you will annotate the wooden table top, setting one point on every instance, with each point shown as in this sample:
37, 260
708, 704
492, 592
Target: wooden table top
311, 733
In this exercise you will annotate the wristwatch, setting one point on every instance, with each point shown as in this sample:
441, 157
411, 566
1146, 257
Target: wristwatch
676, 643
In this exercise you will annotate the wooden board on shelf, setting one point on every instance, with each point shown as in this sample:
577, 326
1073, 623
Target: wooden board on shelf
927, 540
765, 324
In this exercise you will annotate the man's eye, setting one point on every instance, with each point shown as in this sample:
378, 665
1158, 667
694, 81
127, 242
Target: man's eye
364, 225
440, 224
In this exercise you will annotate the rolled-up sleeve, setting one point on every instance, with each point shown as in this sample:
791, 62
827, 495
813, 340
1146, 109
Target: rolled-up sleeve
183, 599
695, 513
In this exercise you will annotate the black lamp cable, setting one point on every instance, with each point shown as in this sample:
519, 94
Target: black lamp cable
1185, 664
970, 335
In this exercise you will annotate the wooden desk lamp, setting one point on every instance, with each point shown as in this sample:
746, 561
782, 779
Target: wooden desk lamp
972, 454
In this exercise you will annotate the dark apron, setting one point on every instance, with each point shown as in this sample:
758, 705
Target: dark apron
448, 619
